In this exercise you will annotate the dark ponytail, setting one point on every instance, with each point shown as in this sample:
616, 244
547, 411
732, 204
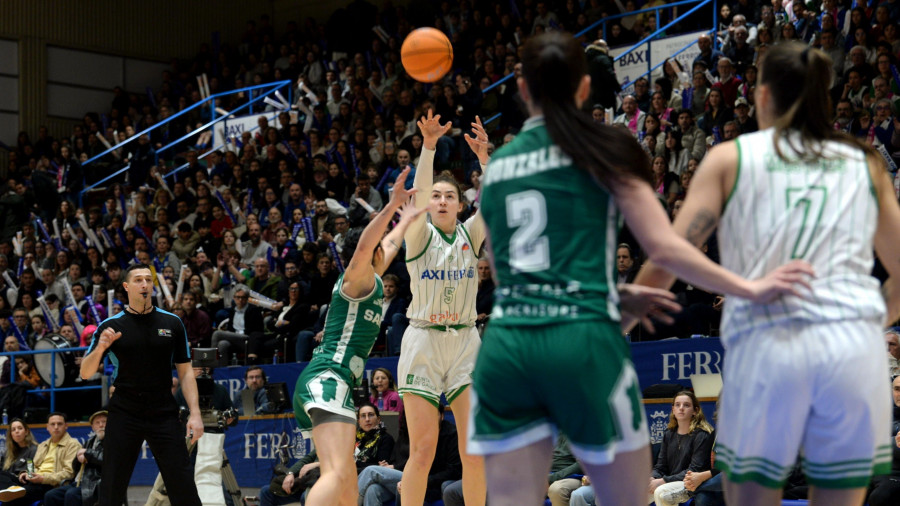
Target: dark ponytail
798, 79
553, 65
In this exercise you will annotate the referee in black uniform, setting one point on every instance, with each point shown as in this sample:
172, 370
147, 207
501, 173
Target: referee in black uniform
143, 342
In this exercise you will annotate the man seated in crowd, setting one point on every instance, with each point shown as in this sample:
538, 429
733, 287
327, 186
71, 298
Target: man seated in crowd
244, 322
256, 380
52, 463
892, 340
85, 490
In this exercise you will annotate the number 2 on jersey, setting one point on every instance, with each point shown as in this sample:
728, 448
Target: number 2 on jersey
529, 250
811, 202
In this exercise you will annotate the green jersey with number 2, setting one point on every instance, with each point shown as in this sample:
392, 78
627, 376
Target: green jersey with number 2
553, 234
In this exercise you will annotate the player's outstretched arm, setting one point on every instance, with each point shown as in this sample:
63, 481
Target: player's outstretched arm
432, 130
887, 235
391, 242
359, 276
675, 249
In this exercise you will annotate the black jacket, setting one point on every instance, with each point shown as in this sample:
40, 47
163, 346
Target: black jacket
89, 477
604, 84
680, 454
253, 320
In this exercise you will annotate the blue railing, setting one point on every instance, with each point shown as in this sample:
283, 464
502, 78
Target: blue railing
52, 388
646, 39
268, 88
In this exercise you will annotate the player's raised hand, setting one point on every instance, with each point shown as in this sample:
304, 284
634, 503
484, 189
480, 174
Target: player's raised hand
408, 211
401, 195
479, 143
784, 280
432, 130
108, 337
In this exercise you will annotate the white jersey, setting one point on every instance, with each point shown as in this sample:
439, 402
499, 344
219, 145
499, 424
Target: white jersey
443, 279
824, 212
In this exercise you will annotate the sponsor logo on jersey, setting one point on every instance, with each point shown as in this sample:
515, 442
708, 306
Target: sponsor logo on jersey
448, 275
421, 381
465, 246
164, 332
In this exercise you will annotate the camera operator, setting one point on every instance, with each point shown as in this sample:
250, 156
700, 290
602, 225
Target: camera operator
145, 342
218, 400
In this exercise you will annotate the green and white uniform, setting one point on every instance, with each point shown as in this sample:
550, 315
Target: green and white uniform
553, 355
339, 361
437, 354
810, 369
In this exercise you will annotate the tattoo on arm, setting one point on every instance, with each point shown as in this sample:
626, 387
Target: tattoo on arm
702, 224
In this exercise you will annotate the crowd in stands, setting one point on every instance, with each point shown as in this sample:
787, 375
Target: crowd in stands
247, 238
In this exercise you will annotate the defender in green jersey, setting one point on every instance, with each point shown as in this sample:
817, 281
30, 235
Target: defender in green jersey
322, 397
553, 357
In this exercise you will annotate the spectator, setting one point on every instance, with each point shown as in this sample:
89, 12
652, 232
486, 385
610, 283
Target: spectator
565, 473
256, 247
373, 443
392, 304
745, 123
892, 339
20, 448
632, 117
708, 55
604, 84
255, 378
717, 113
243, 323
885, 490
484, 299
262, 281
196, 322
728, 82
300, 477
186, 242
378, 484
85, 490
52, 462
625, 269
687, 446
384, 391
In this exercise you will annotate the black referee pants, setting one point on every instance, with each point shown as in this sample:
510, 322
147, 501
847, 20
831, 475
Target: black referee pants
135, 416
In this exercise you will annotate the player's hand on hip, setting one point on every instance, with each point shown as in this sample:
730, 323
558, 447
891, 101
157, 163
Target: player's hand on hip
194, 427
108, 337
785, 280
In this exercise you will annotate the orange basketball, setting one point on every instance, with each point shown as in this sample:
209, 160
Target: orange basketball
426, 54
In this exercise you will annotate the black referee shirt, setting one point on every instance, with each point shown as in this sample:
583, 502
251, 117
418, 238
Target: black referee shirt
150, 344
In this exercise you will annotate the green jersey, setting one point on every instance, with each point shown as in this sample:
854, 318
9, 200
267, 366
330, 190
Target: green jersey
553, 234
351, 328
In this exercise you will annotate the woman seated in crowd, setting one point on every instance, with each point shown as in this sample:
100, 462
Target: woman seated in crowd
686, 447
20, 448
384, 391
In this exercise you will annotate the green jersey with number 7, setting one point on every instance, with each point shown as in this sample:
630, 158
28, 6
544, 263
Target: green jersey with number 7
553, 241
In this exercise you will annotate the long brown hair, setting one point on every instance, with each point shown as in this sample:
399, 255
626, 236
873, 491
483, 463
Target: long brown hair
553, 65
698, 420
12, 449
798, 77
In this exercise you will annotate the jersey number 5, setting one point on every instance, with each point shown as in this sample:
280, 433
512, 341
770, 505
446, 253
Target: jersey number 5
810, 201
529, 249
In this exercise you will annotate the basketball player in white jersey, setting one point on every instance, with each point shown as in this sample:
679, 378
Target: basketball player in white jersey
802, 374
437, 355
